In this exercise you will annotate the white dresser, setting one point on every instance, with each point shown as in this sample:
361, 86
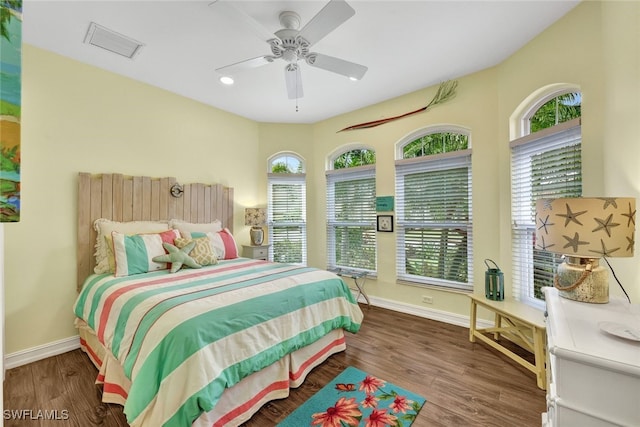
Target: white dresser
593, 375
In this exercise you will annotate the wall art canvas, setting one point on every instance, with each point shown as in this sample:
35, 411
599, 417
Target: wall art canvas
10, 108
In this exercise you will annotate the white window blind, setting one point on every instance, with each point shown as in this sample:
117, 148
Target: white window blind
434, 223
546, 164
351, 217
287, 218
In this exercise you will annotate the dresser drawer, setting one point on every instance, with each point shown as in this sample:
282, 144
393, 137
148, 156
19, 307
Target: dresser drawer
260, 253
256, 252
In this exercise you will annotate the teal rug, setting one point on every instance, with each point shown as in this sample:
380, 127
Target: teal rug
355, 398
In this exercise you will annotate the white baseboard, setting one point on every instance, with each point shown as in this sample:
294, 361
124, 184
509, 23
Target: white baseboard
40, 352
43, 351
428, 313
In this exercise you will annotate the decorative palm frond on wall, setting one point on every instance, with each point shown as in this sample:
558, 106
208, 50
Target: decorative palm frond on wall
445, 92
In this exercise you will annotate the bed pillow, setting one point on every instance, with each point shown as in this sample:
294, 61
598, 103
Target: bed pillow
202, 252
168, 236
105, 227
224, 245
134, 254
186, 228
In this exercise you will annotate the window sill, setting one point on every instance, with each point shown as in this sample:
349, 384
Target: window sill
434, 287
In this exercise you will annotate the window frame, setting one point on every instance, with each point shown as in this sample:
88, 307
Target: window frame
272, 226
561, 136
356, 173
431, 163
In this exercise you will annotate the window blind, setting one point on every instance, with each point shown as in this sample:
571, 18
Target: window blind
351, 217
287, 218
547, 164
434, 221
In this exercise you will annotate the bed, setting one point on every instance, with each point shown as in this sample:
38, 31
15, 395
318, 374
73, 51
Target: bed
199, 346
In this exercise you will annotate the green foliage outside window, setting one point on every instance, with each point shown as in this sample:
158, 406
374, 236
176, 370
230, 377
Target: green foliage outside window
353, 158
557, 110
355, 247
286, 164
435, 143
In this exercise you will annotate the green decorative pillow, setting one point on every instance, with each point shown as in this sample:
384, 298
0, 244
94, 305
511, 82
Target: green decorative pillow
178, 257
202, 253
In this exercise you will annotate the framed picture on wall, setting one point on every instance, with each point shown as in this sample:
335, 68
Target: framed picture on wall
385, 223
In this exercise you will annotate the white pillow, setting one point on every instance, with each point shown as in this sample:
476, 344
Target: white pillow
224, 245
186, 228
105, 227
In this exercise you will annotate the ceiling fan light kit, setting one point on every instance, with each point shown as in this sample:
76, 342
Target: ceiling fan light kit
293, 45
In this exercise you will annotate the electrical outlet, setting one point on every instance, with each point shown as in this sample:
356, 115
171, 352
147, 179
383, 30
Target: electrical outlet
427, 299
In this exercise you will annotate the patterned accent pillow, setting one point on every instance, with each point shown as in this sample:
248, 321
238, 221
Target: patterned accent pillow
202, 253
224, 245
134, 254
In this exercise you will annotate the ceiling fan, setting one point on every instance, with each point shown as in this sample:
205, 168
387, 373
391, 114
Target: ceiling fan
293, 45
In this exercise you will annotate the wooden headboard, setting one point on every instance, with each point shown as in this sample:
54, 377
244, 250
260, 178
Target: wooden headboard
141, 198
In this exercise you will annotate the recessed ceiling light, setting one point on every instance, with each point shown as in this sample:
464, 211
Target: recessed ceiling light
226, 80
353, 79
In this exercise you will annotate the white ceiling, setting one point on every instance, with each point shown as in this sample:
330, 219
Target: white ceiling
407, 45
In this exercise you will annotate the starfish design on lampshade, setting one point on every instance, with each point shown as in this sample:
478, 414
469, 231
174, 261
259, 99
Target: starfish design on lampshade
544, 246
631, 243
604, 252
571, 216
609, 201
574, 242
605, 224
587, 227
544, 223
631, 216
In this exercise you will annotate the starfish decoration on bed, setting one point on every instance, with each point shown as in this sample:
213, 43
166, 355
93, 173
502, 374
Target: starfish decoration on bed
178, 257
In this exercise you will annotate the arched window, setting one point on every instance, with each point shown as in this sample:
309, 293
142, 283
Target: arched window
351, 209
287, 212
546, 162
550, 112
433, 207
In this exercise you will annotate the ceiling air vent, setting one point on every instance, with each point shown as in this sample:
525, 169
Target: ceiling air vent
105, 38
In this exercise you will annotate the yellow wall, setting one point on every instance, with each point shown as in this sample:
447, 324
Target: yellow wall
78, 118
595, 47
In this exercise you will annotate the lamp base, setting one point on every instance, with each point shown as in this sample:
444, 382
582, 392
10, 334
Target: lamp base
257, 236
594, 287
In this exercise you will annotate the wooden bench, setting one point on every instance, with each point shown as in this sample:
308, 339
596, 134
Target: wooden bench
521, 324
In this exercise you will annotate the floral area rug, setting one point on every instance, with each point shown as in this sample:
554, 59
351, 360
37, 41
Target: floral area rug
355, 398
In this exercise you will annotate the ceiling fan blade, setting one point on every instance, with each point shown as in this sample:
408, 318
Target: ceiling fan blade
232, 10
330, 17
246, 64
294, 81
337, 65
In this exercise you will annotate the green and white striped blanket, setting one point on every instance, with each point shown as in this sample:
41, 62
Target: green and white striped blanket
183, 338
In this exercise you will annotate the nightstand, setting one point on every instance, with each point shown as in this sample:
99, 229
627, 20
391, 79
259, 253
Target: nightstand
256, 252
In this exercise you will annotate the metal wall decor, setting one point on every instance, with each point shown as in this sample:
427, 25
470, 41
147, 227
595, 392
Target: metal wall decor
176, 190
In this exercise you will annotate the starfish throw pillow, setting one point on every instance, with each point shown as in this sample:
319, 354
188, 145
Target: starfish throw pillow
178, 257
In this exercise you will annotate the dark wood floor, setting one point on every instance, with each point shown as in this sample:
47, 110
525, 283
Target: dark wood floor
465, 384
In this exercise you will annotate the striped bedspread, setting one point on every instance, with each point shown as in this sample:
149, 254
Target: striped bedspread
183, 338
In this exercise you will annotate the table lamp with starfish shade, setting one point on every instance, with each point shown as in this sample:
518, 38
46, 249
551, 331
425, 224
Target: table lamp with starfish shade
584, 230
256, 218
